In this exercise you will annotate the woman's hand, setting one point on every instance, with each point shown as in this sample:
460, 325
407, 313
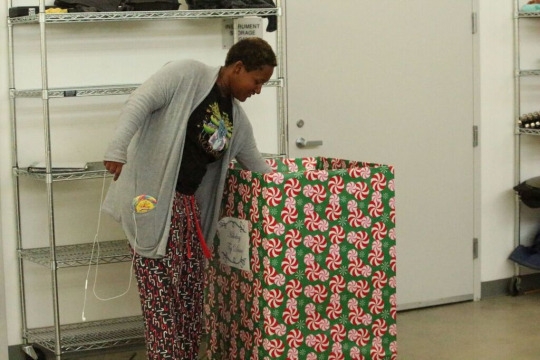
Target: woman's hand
114, 168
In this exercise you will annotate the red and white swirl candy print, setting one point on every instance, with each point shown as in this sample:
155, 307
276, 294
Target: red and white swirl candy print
256, 187
356, 265
379, 231
292, 354
295, 338
316, 193
355, 172
377, 350
359, 190
277, 178
376, 257
378, 182
271, 325
289, 213
272, 163
379, 279
273, 297
291, 315
336, 184
270, 275
246, 175
316, 243
356, 217
314, 320
360, 288
356, 354
275, 347
254, 212
293, 288
336, 356
318, 293
360, 336
376, 303
337, 234
314, 271
338, 332
230, 205
309, 163
272, 196
318, 342
293, 238
269, 223
290, 162
365, 172
333, 259
375, 208
244, 191
360, 239
292, 187
273, 247
289, 265
334, 308
337, 284
379, 327
333, 209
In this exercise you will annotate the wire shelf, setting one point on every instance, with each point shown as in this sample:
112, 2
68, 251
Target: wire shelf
529, 131
91, 335
79, 255
95, 170
524, 14
98, 90
78, 92
143, 15
529, 72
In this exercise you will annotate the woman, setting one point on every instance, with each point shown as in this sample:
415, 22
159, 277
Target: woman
169, 156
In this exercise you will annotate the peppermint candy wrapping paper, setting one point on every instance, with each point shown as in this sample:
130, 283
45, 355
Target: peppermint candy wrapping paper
322, 284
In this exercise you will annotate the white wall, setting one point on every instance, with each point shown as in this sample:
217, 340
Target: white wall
496, 142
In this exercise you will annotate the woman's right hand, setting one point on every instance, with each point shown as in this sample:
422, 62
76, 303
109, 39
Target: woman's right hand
114, 168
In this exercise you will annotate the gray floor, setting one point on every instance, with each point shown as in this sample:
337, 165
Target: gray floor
505, 328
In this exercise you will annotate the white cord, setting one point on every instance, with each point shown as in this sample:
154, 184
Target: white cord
96, 242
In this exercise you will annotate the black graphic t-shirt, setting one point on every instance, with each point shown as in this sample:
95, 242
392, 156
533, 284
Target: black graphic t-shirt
209, 131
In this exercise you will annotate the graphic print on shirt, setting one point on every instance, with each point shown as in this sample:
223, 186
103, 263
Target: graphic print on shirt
217, 129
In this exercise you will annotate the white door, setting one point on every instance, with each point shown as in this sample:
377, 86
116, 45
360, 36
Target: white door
391, 82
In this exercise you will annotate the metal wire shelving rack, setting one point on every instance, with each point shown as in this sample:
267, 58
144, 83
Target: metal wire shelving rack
65, 339
515, 286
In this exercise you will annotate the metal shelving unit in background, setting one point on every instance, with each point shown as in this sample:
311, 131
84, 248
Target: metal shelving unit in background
520, 129
65, 339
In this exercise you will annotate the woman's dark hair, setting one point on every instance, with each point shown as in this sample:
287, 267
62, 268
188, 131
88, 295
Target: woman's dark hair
253, 52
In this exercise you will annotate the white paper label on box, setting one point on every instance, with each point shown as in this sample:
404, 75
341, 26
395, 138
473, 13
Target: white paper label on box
233, 236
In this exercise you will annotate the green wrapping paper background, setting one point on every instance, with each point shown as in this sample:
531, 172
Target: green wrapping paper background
322, 283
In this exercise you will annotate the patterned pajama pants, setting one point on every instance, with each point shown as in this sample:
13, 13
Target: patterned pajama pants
172, 289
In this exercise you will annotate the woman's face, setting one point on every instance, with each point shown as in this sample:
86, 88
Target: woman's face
246, 83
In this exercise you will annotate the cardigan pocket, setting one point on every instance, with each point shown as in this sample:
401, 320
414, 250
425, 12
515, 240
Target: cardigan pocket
145, 236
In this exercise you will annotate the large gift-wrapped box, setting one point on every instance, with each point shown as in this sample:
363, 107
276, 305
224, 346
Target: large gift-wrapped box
304, 263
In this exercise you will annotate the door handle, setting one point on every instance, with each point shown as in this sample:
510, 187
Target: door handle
302, 143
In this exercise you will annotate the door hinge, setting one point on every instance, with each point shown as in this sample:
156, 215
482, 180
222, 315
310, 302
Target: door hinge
474, 19
475, 249
475, 136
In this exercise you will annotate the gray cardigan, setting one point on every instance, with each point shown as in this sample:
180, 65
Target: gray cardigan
149, 139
